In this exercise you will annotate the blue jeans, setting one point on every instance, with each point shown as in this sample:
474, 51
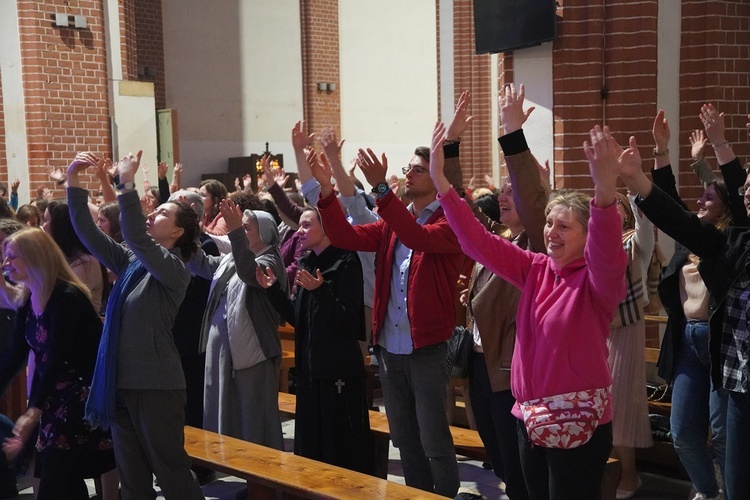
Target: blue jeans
414, 388
737, 478
695, 405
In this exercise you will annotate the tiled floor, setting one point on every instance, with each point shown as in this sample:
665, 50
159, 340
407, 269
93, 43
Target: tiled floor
655, 487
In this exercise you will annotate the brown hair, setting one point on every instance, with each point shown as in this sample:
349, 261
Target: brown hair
629, 222
423, 152
725, 219
186, 218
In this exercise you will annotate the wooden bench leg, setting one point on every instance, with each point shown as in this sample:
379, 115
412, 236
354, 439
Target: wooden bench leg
382, 447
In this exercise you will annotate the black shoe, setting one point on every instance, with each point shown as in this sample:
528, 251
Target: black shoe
8, 491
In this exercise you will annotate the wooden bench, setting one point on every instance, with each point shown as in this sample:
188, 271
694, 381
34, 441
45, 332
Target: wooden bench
466, 441
269, 471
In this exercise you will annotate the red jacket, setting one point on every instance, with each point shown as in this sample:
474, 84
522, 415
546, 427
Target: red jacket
433, 273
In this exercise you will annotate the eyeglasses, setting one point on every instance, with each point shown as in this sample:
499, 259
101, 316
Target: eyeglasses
742, 190
416, 168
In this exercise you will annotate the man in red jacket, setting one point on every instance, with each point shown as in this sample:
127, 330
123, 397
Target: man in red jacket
418, 259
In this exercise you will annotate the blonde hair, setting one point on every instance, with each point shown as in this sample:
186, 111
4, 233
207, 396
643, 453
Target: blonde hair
576, 201
45, 264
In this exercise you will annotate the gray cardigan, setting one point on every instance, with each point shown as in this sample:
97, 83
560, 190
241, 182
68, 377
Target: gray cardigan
264, 317
147, 356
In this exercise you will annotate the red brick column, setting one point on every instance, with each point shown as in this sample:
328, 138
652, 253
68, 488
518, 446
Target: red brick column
320, 63
65, 87
473, 72
715, 68
602, 50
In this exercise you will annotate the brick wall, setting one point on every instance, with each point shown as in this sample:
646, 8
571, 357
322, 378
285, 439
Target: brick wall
715, 68
150, 46
142, 45
473, 72
65, 88
320, 63
611, 48
128, 47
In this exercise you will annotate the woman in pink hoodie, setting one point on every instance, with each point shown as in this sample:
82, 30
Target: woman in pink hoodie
568, 299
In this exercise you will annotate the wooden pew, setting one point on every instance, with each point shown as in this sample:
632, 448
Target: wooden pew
269, 471
466, 441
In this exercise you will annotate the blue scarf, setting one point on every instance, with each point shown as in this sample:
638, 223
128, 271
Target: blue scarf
100, 406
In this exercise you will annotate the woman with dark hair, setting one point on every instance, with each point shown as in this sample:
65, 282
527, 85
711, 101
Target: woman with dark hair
28, 215
213, 192
57, 322
108, 220
150, 199
139, 386
5, 211
684, 292
327, 312
57, 224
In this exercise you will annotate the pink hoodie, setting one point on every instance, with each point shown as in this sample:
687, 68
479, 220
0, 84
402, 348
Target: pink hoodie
563, 316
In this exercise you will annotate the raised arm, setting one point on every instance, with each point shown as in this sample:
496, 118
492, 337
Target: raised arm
605, 257
602, 155
102, 173
362, 238
498, 255
163, 183
14, 193
300, 141
176, 178
529, 193
713, 122
332, 149
459, 124
351, 198
166, 267
700, 166
275, 184
110, 253
731, 169
661, 134
433, 238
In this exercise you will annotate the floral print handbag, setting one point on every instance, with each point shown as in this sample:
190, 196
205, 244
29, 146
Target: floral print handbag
564, 420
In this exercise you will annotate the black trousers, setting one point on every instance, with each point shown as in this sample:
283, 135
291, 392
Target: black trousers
557, 474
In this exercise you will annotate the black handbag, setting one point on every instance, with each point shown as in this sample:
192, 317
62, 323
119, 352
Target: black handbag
459, 350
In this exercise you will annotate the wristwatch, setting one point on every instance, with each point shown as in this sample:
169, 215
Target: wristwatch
126, 186
381, 188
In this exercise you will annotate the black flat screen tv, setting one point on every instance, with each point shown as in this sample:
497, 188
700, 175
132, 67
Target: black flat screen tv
503, 25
